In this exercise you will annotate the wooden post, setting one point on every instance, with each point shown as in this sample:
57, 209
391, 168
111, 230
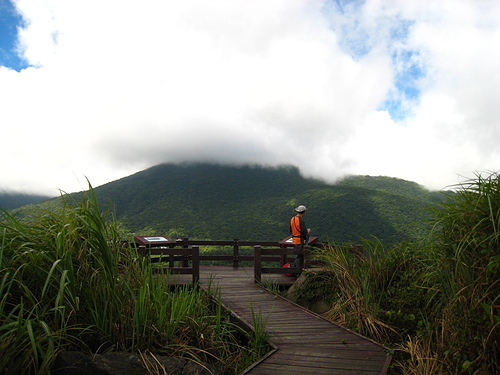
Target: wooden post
196, 264
236, 253
142, 251
185, 260
171, 262
257, 266
283, 257
306, 251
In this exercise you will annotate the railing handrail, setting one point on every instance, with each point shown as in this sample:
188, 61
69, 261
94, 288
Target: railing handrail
235, 257
184, 254
259, 269
274, 251
228, 243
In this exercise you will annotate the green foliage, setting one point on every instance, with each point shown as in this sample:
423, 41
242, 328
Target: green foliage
67, 281
437, 300
468, 247
378, 294
392, 185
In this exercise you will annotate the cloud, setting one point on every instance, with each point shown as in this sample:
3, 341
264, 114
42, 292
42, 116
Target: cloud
400, 88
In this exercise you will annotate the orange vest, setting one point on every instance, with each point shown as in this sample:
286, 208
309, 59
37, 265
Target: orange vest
296, 230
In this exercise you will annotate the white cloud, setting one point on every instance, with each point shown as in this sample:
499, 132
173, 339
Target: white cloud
118, 86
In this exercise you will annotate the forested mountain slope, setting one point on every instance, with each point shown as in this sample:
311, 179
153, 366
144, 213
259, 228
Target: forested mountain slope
206, 201
9, 201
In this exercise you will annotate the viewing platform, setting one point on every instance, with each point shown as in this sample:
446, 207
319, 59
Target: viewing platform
302, 341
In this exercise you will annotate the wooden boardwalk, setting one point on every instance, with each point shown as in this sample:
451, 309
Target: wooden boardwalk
304, 342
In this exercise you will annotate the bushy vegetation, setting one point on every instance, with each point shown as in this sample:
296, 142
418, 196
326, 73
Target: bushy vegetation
67, 281
437, 302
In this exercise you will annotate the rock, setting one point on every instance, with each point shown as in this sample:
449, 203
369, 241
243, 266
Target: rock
121, 363
317, 306
291, 293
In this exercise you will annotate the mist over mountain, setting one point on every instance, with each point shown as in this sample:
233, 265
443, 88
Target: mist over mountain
208, 201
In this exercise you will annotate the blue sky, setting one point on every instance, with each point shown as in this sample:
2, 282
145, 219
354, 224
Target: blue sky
9, 21
401, 88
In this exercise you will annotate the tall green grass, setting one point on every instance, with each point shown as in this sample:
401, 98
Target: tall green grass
437, 301
68, 281
468, 246
377, 295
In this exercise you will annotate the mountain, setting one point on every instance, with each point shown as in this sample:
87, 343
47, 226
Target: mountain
9, 201
207, 201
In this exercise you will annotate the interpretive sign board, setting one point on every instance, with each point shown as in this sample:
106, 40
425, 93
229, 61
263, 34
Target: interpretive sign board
154, 240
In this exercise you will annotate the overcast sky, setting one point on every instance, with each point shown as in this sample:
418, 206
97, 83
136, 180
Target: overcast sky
101, 89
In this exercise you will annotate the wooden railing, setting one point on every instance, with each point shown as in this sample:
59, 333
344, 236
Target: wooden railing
172, 255
264, 255
234, 256
260, 253
237, 246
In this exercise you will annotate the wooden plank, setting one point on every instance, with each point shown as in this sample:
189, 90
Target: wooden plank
294, 330
293, 366
326, 354
175, 270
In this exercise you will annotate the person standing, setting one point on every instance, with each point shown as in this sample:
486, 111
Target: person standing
300, 233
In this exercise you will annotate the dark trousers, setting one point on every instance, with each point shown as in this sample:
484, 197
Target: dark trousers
299, 261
